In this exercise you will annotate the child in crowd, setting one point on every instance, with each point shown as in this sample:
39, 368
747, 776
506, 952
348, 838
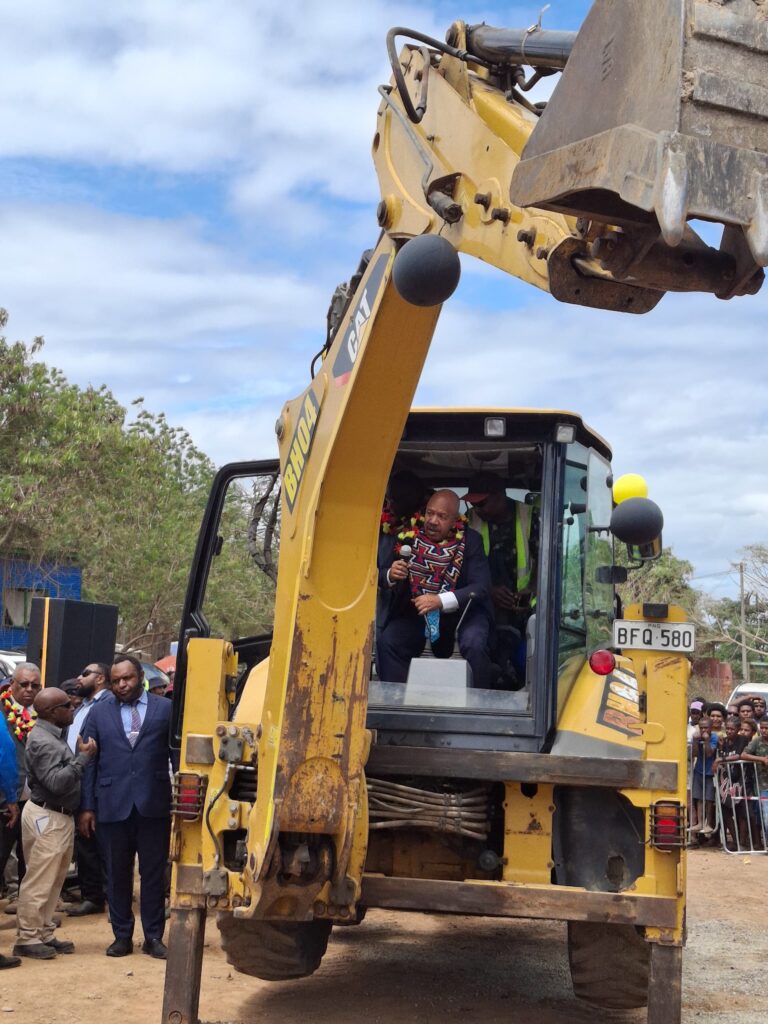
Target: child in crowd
748, 728
730, 743
695, 711
729, 777
746, 709
702, 785
716, 713
757, 752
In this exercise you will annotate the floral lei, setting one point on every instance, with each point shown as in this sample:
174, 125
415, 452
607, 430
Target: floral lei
415, 525
20, 720
391, 524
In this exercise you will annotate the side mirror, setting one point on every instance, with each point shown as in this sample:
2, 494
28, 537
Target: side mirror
638, 523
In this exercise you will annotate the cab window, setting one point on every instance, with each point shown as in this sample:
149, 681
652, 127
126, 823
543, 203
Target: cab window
586, 606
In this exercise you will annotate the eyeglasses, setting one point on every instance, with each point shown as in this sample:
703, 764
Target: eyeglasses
479, 504
25, 684
56, 707
89, 672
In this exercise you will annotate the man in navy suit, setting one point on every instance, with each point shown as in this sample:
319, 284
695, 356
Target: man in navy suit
439, 586
126, 799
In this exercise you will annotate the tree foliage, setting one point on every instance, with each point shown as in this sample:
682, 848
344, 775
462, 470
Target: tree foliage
723, 636
665, 581
121, 496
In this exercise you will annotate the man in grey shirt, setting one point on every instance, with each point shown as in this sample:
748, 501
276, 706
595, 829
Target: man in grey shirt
47, 823
94, 685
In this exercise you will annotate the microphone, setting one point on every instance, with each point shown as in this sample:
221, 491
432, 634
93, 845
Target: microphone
406, 554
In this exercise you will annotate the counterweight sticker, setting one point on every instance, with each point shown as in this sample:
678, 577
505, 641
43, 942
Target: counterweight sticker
358, 324
298, 451
620, 706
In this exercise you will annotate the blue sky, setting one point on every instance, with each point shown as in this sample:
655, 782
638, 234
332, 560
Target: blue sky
183, 184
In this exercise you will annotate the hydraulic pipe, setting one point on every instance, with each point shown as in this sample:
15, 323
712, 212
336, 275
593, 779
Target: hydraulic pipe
543, 48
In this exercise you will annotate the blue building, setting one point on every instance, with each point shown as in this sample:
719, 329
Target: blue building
20, 581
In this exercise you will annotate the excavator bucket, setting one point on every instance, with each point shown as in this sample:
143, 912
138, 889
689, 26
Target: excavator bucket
660, 116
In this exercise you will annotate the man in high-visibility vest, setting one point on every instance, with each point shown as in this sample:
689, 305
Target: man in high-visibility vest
509, 530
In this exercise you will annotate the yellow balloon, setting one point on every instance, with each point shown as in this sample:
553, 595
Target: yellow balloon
630, 485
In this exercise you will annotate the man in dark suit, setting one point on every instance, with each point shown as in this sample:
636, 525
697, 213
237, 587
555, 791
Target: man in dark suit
127, 800
432, 589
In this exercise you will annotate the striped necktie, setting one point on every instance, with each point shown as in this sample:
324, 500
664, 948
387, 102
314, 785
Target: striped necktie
133, 735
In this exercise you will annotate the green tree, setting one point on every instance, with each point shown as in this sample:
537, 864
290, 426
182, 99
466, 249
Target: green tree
665, 581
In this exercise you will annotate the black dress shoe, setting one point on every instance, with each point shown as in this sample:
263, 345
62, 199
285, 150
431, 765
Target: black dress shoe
86, 907
9, 961
120, 947
156, 948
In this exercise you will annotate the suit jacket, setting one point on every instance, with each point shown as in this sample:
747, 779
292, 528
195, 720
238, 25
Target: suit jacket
121, 777
474, 578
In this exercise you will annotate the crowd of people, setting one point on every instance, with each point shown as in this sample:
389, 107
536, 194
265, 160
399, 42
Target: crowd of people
85, 773
728, 772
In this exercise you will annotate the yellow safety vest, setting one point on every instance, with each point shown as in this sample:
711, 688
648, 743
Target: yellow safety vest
523, 521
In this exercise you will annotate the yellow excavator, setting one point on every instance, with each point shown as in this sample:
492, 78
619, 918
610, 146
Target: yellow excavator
311, 786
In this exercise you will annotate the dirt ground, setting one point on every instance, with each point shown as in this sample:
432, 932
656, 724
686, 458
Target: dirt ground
408, 968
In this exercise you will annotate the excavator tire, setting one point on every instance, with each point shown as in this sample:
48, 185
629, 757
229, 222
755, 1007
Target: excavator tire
274, 950
609, 964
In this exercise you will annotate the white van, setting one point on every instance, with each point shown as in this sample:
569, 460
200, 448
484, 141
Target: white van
748, 690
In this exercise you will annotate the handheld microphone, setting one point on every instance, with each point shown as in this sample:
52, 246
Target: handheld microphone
406, 553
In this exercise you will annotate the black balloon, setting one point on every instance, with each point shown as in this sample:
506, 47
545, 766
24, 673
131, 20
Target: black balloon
426, 270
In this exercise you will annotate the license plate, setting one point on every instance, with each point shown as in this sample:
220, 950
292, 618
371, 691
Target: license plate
654, 636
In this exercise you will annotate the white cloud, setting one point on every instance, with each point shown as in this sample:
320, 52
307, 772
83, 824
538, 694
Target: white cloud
151, 308
279, 96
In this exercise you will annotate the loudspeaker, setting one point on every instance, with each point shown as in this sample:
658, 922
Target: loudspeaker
64, 636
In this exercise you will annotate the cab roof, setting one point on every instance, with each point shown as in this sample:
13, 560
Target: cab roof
468, 425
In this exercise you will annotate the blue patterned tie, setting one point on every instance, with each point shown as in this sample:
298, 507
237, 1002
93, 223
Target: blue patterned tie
133, 735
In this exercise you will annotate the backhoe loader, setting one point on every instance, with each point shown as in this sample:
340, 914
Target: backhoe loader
311, 787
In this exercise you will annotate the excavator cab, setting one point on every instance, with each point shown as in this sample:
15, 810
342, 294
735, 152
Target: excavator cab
555, 476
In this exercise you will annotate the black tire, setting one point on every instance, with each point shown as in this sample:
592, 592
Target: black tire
609, 964
273, 950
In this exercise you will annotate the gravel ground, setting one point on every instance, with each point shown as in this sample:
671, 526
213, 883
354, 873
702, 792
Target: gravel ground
409, 968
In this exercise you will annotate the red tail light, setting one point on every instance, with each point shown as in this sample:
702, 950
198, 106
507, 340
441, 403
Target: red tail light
188, 793
667, 826
602, 663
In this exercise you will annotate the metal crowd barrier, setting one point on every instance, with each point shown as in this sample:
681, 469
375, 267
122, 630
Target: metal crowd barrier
742, 812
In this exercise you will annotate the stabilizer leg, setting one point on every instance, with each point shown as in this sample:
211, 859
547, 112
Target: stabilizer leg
181, 998
665, 985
